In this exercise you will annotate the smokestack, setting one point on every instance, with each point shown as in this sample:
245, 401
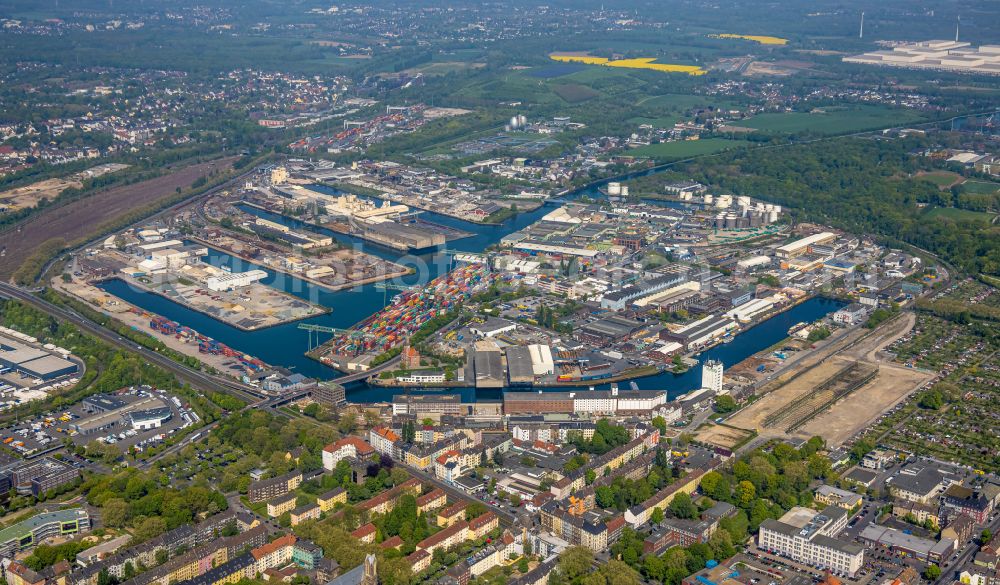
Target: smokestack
957, 22
861, 33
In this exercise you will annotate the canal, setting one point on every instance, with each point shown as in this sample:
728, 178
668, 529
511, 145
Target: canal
285, 345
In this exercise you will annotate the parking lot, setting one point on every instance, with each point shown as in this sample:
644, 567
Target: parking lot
115, 426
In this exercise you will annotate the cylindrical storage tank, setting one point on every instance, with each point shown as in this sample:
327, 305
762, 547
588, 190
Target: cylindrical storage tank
709, 199
614, 188
772, 217
743, 201
624, 190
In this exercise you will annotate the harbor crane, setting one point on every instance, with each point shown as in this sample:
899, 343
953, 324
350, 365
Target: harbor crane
484, 260
385, 287
317, 329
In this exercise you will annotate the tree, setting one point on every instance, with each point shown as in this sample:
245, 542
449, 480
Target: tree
745, 493
725, 403
656, 516
115, 513
522, 565
715, 485
985, 536
681, 506
932, 572
575, 561
721, 544
150, 528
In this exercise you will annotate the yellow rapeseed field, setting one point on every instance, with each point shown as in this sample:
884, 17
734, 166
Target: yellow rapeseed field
764, 40
643, 63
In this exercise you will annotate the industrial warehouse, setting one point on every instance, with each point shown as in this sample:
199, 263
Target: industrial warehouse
41, 363
941, 55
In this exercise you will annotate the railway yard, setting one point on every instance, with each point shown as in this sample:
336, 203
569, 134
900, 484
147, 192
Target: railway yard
824, 393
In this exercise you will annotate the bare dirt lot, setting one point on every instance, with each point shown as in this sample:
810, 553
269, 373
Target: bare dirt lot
30, 195
851, 413
80, 219
722, 436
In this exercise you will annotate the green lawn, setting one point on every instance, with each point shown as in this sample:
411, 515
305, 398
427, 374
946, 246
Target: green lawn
959, 214
686, 148
980, 187
831, 121
940, 178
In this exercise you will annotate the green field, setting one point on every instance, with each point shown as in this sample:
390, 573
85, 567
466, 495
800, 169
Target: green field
942, 179
980, 187
686, 148
575, 93
959, 214
445, 67
831, 121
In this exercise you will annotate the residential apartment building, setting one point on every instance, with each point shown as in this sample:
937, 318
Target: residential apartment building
331, 498
266, 489
347, 447
280, 505
809, 537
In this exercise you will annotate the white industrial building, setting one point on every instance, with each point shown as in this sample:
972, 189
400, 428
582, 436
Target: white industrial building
231, 280
749, 310
492, 327
753, 262
153, 418
801, 246
941, 55
542, 363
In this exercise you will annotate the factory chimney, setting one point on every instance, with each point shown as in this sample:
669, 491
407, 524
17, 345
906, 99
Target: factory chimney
861, 33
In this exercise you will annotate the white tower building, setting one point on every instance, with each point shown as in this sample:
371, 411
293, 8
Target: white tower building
711, 376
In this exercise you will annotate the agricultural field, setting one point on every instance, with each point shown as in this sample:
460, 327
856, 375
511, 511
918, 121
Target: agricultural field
445, 67
686, 148
831, 121
760, 39
575, 93
639, 63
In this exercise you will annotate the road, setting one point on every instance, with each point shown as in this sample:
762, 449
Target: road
183, 373
506, 517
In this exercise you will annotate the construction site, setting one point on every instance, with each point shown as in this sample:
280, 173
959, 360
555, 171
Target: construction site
832, 393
